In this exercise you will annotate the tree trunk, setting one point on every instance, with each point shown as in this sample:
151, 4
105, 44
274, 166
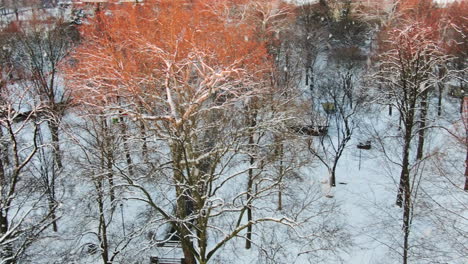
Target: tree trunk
144, 148
188, 256
440, 85
422, 125
107, 160
405, 164
280, 180
280, 198
6, 250
123, 131
466, 171
439, 100
181, 202
406, 219
52, 207
333, 173
110, 178
461, 105
248, 241
404, 174
54, 130
332, 178
184, 235
102, 234
202, 225
3, 214
3, 222
410, 99
57, 155
399, 123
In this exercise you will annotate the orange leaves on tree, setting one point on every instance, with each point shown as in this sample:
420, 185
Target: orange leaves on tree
442, 23
455, 28
129, 48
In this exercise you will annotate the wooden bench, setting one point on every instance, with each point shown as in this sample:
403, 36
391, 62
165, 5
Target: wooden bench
158, 260
168, 243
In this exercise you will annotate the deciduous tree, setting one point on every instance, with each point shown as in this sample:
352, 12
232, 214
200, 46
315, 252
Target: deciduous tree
407, 72
21, 219
185, 72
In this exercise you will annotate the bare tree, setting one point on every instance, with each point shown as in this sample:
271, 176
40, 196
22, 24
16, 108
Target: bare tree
100, 159
339, 101
37, 51
21, 199
407, 72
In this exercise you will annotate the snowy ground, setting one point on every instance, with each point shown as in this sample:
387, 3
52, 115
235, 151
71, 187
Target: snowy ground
365, 193
369, 193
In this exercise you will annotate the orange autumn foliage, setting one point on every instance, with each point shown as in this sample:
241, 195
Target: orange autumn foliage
133, 50
446, 24
456, 29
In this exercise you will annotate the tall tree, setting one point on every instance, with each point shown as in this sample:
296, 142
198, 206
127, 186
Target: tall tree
407, 71
185, 72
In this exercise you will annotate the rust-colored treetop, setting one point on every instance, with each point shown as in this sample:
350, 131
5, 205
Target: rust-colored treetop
171, 51
444, 25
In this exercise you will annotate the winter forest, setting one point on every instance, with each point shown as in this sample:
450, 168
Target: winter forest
233, 132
